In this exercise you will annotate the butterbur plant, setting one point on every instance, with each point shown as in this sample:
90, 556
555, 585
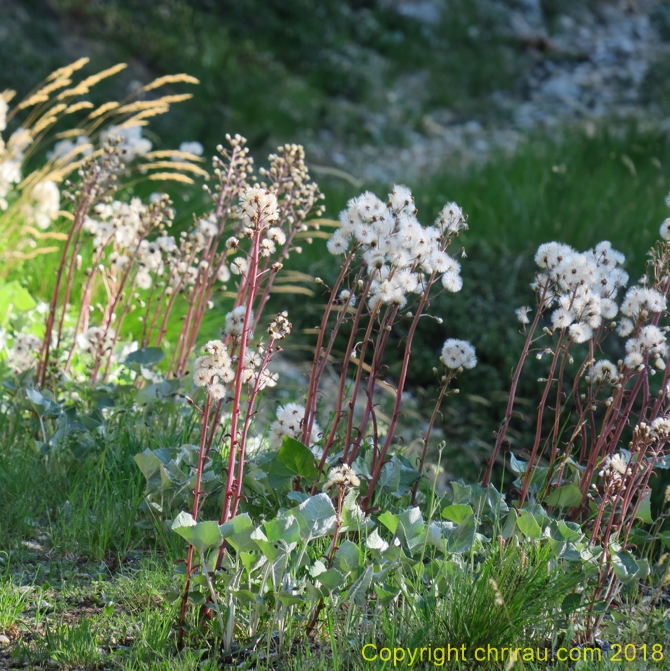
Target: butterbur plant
293, 503
391, 264
601, 426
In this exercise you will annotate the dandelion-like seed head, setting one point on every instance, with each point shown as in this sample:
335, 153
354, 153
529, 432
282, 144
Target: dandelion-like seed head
343, 477
458, 354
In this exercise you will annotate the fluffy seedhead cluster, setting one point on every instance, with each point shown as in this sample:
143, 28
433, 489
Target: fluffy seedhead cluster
590, 405
343, 477
288, 422
391, 263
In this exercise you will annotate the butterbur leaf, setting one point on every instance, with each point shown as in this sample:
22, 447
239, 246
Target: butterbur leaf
519, 467
495, 500
331, 579
528, 525
462, 538
289, 599
386, 594
316, 517
358, 591
298, 458
570, 531
644, 510
146, 356
408, 475
201, 535
376, 544
149, 463
347, 557
248, 560
317, 568
389, 478
271, 550
237, 532
389, 520
571, 603
293, 459
353, 517
410, 525
456, 513
644, 569
286, 528
625, 567
13, 296
567, 496
462, 493
510, 525
46, 405
298, 497
664, 537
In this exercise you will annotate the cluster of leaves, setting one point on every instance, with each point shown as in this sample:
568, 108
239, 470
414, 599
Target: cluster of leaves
284, 560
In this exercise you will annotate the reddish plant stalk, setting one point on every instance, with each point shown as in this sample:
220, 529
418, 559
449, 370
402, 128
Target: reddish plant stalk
426, 437
379, 462
512, 394
540, 416
194, 512
252, 280
343, 377
380, 345
310, 401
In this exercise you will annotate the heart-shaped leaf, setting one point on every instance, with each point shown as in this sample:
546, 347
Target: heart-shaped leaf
201, 535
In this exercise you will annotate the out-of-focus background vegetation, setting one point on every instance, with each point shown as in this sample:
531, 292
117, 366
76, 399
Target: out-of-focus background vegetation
542, 119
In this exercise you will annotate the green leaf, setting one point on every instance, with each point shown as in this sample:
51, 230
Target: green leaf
625, 567
519, 467
14, 298
462, 538
567, 496
411, 522
316, 517
408, 475
376, 544
201, 535
353, 517
462, 493
286, 528
146, 356
162, 473
289, 599
510, 524
271, 550
42, 400
389, 478
293, 459
358, 590
528, 525
456, 513
331, 579
237, 532
570, 531
347, 557
644, 510
571, 603
385, 594
389, 520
